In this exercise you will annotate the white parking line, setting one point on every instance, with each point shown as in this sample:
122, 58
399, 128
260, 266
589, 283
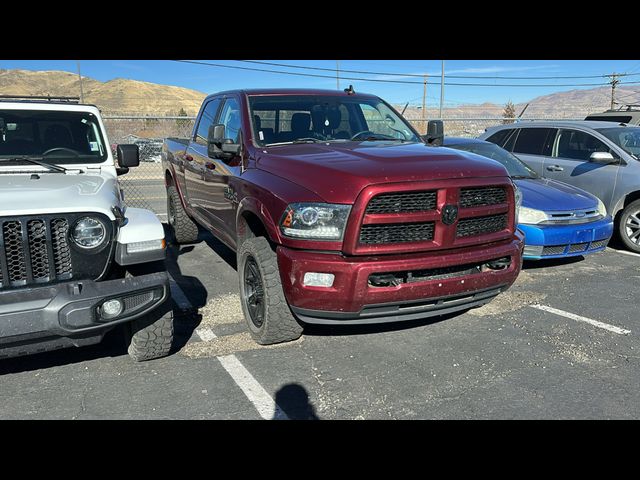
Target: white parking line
624, 252
178, 295
573, 316
257, 395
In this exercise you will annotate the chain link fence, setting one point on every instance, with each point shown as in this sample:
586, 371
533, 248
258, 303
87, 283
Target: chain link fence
144, 186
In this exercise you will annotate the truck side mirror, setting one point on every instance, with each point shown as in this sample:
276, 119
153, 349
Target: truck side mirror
435, 133
601, 157
128, 155
218, 146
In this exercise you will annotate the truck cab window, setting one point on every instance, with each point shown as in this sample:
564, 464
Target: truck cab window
230, 118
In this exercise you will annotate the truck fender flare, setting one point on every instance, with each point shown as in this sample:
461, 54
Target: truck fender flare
257, 208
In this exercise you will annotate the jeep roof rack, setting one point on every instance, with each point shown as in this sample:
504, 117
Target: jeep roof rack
39, 98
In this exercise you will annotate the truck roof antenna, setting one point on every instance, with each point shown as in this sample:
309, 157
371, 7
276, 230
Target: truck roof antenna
350, 90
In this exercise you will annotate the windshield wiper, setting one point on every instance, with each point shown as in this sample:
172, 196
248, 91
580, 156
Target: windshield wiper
298, 140
37, 161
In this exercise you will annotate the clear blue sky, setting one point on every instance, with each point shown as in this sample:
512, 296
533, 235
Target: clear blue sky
211, 79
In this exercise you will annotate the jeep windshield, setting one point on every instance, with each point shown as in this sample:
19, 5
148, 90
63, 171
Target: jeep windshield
289, 119
55, 137
627, 138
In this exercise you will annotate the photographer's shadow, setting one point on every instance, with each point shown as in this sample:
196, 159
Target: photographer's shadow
293, 399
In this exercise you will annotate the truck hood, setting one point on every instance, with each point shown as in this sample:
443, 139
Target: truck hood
24, 194
549, 195
339, 171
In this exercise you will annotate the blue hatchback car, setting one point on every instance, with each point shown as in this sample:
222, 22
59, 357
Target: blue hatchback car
558, 220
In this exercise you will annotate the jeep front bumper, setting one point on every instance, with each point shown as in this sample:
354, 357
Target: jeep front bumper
69, 314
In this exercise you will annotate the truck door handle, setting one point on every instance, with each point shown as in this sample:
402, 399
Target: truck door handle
188, 158
555, 168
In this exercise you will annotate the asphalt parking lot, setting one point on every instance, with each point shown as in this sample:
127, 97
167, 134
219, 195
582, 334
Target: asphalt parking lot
562, 343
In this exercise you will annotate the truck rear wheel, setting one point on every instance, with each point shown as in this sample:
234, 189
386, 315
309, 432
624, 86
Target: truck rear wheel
629, 226
151, 336
263, 302
184, 229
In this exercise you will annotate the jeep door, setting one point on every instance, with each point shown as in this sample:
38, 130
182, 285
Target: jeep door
570, 163
196, 156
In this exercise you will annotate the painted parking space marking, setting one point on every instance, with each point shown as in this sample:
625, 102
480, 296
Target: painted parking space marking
624, 252
178, 295
579, 318
206, 334
257, 395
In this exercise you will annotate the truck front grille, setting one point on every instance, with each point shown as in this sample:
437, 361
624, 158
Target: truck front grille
482, 196
26, 255
402, 202
377, 234
432, 215
481, 225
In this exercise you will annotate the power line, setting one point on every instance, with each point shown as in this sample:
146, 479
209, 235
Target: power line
315, 75
420, 75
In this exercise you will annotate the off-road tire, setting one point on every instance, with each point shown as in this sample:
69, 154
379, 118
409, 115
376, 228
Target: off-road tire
278, 323
151, 336
632, 209
183, 229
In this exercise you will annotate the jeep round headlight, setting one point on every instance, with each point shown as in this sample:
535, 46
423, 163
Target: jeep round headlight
88, 232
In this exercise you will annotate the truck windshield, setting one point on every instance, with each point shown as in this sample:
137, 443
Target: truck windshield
51, 136
627, 138
516, 167
308, 118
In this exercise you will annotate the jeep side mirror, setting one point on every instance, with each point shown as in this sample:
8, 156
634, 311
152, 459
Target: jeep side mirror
218, 146
435, 133
128, 155
601, 157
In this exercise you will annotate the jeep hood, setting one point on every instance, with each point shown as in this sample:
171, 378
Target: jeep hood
338, 172
24, 194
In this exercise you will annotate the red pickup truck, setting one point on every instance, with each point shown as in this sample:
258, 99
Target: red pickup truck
339, 211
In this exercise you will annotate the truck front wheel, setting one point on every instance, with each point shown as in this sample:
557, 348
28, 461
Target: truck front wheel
263, 302
183, 228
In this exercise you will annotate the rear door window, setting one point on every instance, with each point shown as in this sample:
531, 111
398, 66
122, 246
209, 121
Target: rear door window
500, 136
534, 141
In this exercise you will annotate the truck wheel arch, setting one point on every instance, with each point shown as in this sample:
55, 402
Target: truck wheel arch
253, 220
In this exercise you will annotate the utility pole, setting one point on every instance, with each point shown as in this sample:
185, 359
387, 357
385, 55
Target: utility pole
614, 82
80, 78
442, 90
424, 104
338, 74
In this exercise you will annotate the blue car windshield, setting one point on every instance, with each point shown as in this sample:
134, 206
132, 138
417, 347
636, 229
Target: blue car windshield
516, 167
627, 138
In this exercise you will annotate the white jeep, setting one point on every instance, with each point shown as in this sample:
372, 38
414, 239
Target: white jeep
74, 261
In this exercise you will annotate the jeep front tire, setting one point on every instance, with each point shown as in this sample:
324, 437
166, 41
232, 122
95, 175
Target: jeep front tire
265, 308
184, 229
151, 336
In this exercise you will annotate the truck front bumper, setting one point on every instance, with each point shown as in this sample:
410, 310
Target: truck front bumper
427, 284
69, 314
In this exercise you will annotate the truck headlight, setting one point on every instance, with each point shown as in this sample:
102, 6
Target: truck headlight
88, 233
518, 195
531, 216
602, 210
315, 221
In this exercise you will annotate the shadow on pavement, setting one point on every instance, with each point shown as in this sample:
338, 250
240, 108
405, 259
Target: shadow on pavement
552, 262
294, 400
